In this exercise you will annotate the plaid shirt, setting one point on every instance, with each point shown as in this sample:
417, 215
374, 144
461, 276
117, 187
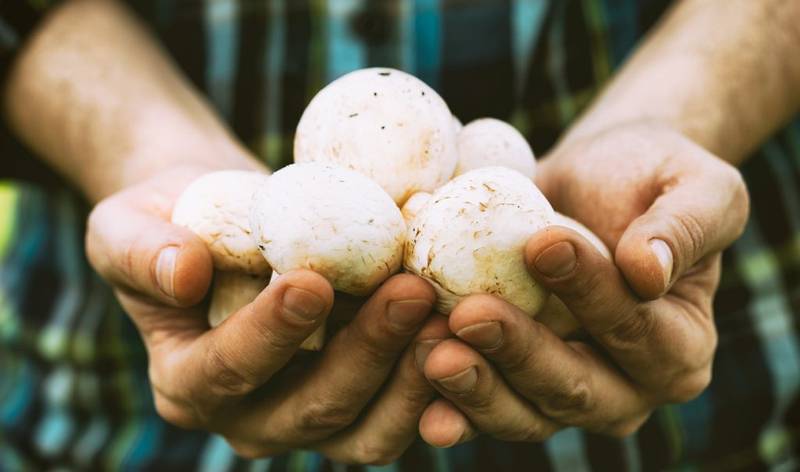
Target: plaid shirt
73, 371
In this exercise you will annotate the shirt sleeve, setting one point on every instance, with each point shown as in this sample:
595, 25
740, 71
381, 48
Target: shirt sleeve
18, 19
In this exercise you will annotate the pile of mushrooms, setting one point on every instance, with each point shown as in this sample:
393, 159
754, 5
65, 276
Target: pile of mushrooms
370, 143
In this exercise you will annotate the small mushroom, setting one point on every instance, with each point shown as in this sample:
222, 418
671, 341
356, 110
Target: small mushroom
469, 238
385, 124
490, 142
216, 207
413, 205
331, 220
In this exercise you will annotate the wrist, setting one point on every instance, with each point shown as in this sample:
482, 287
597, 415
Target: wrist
160, 144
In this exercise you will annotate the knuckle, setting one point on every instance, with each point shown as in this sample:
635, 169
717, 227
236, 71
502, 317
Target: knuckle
574, 398
535, 432
322, 417
224, 379
692, 234
174, 414
624, 429
249, 450
685, 387
581, 289
516, 360
374, 353
369, 452
631, 328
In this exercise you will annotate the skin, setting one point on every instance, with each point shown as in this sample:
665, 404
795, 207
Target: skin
125, 123
128, 130
648, 169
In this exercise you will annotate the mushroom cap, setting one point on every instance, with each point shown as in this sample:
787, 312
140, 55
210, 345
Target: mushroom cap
470, 238
384, 123
413, 205
564, 220
490, 142
216, 207
331, 220
457, 124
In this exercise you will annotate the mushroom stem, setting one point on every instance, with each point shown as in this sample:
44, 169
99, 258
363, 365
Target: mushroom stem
231, 291
316, 340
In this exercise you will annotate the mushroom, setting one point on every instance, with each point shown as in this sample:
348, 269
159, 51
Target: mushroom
413, 205
216, 207
332, 220
469, 238
457, 125
385, 124
490, 142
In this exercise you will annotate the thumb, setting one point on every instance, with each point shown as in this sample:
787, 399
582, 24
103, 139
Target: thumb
687, 223
140, 251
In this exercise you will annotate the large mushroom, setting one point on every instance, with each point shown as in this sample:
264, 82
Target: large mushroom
331, 220
469, 238
216, 207
384, 123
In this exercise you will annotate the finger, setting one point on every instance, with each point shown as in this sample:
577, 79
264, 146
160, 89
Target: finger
443, 425
386, 429
567, 382
242, 353
140, 251
466, 379
354, 364
660, 344
698, 216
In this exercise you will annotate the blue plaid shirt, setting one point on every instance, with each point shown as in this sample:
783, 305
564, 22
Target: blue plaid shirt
73, 372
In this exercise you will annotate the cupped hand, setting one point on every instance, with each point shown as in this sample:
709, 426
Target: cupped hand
359, 400
666, 208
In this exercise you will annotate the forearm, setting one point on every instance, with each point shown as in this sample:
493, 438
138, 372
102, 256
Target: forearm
724, 72
96, 98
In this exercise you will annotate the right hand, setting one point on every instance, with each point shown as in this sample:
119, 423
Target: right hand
241, 379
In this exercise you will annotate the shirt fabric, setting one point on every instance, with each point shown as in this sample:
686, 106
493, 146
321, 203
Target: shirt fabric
74, 392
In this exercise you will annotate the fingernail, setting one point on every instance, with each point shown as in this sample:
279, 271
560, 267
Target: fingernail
486, 335
422, 350
556, 261
461, 382
407, 314
302, 304
165, 269
664, 255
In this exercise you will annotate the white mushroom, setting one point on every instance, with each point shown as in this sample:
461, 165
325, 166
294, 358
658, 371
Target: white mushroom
331, 220
216, 207
470, 237
384, 123
413, 205
457, 125
490, 142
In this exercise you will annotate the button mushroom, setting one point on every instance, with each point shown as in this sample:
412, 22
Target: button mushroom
469, 238
216, 207
331, 220
490, 142
384, 123
413, 205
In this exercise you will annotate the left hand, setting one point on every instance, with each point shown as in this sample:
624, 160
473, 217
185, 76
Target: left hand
666, 208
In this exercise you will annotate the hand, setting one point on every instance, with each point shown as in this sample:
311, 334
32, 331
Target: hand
666, 208
357, 401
